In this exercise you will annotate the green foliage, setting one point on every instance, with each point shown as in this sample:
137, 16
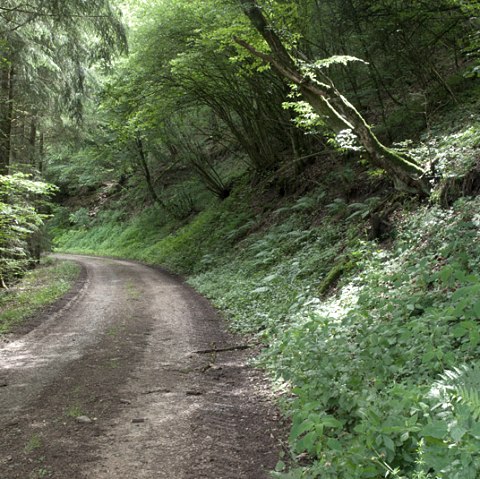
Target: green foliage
20, 200
361, 365
451, 149
48, 50
77, 171
371, 377
271, 275
181, 205
80, 218
451, 438
472, 9
157, 236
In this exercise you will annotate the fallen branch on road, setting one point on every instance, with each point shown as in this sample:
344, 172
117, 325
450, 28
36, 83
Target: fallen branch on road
222, 350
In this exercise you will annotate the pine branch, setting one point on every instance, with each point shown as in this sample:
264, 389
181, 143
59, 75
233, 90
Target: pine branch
51, 15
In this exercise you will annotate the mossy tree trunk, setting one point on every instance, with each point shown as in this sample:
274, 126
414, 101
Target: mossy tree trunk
338, 113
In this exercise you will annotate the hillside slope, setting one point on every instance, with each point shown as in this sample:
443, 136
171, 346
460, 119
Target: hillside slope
367, 303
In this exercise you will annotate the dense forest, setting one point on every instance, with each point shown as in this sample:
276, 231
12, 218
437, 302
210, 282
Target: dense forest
312, 167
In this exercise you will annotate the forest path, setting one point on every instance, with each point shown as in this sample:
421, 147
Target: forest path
121, 353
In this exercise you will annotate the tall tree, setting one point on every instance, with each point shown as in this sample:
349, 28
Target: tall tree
339, 113
46, 48
6, 115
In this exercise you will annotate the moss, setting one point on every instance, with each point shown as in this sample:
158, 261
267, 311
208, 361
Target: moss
344, 266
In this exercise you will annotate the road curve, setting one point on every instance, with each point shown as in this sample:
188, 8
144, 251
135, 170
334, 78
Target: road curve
122, 356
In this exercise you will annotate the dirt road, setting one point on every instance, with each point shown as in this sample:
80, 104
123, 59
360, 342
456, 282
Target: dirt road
109, 385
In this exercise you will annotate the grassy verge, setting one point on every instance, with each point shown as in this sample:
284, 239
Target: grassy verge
39, 288
379, 375
156, 238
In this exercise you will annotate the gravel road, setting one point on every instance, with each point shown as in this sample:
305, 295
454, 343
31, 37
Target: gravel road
109, 384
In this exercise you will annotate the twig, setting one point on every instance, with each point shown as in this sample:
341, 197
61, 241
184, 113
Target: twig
222, 350
157, 391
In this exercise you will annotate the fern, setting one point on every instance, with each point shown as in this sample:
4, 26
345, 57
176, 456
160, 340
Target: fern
461, 385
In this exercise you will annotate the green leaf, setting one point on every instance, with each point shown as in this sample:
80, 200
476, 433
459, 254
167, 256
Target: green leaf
445, 273
474, 337
299, 429
429, 355
475, 430
307, 442
334, 444
457, 433
389, 444
330, 421
436, 429
476, 309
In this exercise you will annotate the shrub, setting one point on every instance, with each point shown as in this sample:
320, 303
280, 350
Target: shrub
20, 202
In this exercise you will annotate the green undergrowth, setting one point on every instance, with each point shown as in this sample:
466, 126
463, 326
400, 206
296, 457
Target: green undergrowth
373, 347
154, 237
380, 374
37, 289
381, 379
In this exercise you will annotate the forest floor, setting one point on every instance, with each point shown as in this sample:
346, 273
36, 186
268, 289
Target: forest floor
112, 383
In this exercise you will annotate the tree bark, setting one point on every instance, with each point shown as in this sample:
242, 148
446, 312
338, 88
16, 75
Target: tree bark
146, 169
32, 140
6, 117
338, 113
41, 152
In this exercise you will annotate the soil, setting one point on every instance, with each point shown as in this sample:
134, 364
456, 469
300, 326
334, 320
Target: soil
113, 382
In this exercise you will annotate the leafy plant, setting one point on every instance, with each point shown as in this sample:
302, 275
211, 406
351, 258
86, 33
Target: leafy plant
80, 218
181, 205
20, 201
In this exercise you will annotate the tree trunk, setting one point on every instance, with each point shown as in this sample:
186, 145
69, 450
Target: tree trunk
146, 170
334, 108
6, 117
32, 142
41, 152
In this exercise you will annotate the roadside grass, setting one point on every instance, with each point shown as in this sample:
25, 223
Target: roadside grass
35, 442
380, 378
155, 238
372, 365
74, 411
39, 288
369, 367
